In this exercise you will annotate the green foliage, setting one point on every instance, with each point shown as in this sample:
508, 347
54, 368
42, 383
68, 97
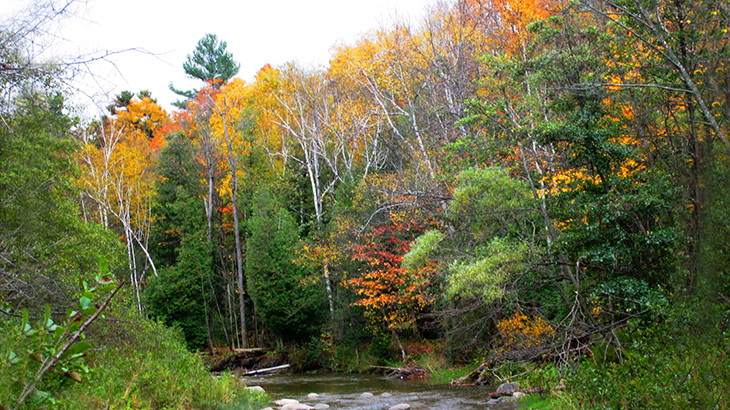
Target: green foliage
290, 303
177, 209
663, 368
623, 297
178, 295
145, 365
485, 275
29, 351
422, 250
490, 203
181, 294
381, 349
45, 245
210, 62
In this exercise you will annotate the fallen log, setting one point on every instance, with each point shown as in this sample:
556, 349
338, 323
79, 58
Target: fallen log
269, 369
404, 372
249, 350
481, 376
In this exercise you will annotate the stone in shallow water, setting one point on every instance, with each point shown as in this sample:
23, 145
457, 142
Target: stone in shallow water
321, 406
367, 395
296, 406
256, 388
402, 406
284, 402
508, 387
268, 408
312, 396
386, 394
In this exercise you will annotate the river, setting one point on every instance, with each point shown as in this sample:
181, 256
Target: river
343, 391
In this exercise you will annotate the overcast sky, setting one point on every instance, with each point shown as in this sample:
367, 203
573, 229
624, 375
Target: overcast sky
257, 33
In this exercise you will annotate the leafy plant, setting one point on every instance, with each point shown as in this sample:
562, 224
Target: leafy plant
30, 351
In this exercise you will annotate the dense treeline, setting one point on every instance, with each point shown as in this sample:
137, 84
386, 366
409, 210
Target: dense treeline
70, 333
539, 186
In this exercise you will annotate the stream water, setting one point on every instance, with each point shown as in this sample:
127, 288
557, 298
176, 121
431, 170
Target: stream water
343, 391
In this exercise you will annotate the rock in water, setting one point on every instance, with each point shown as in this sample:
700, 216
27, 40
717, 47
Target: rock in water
386, 394
312, 396
256, 388
508, 387
296, 406
367, 395
402, 406
321, 406
284, 402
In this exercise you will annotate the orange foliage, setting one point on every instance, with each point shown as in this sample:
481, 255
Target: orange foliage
147, 117
519, 332
390, 293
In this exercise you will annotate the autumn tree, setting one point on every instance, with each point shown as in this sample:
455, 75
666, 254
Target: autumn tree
230, 122
392, 295
118, 162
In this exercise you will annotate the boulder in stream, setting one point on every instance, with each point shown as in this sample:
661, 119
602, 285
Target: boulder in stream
321, 406
401, 406
312, 396
256, 388
507, 388
366, 395
297, 406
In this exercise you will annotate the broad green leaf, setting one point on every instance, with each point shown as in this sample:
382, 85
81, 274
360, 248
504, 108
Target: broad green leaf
13, 358
90, 311
84, 302
107, 288
74, 326
58, 332
81, 347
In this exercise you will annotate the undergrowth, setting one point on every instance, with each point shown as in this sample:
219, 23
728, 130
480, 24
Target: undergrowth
145, 365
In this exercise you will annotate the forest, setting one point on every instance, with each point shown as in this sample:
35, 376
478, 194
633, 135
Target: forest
537, 189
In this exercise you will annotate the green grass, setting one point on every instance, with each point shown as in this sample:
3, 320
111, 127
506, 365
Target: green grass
537, 401
144, 365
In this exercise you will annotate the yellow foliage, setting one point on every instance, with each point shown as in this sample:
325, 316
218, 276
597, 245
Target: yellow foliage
520, 332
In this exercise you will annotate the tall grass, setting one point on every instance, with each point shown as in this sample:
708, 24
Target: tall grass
142, 364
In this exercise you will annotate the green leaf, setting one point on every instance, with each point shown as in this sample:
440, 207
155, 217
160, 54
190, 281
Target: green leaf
81, 347
84, 302
58, 332
47, 316
74, 326
103, 265
13, 358
107, 288
90, 311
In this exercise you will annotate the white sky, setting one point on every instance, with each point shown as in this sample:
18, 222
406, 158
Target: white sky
257, 33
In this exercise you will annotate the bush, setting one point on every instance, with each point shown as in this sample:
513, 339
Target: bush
663, 368
145, 365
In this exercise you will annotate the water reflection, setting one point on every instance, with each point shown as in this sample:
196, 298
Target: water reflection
343, 391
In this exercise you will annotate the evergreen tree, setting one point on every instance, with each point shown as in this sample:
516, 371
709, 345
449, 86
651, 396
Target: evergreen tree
211, 63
